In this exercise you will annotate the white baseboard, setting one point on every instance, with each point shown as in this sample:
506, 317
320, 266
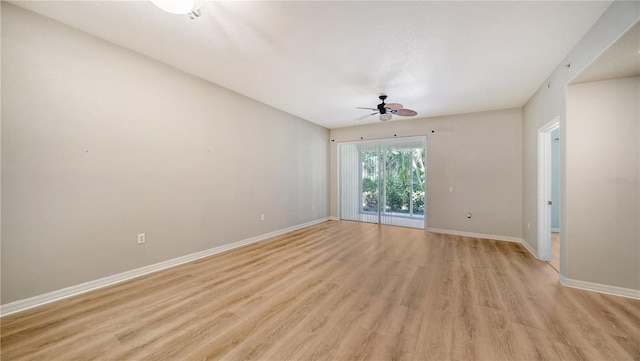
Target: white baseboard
601, 288
334, 218
39, 300
487, 236
476, 235
528, 247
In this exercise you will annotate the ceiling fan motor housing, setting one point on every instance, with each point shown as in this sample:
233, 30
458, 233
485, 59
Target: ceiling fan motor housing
381, 107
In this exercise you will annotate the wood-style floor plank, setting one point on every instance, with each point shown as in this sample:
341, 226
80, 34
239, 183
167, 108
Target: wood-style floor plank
337, 291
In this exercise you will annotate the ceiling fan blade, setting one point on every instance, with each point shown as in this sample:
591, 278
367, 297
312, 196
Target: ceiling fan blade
365, 116
367, 108
393, 106
406, 112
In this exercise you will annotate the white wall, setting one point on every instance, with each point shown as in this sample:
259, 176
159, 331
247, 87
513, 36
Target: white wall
478, 154
603, 182
100, 143
549, 102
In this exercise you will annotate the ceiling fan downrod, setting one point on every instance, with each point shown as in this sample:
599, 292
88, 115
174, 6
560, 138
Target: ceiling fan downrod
381, 107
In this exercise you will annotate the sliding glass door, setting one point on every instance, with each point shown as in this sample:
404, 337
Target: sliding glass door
383, 182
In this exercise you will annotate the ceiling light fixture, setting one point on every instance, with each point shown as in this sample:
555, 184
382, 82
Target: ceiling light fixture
385, 117
190, 7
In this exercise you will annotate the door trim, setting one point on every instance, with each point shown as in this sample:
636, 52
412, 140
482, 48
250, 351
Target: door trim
544, 188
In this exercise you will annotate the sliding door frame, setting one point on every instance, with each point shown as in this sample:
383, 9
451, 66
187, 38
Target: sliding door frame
380, 195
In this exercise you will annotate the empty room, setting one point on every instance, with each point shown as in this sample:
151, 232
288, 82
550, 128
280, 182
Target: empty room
320, 180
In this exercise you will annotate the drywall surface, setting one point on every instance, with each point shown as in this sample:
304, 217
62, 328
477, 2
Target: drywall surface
479, 155
603, 182
549, 102
100, 143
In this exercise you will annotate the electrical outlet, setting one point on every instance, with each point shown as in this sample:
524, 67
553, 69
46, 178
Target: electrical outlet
262, 217
141, 238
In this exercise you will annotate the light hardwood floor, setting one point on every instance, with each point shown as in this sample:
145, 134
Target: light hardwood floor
337, 291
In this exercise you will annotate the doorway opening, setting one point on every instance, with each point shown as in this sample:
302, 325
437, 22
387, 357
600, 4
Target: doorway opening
383, 182
549, 222
555, 200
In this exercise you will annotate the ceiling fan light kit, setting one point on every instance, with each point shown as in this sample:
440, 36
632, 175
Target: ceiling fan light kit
387, 111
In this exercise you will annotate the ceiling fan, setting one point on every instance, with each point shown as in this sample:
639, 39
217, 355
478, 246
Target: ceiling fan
387, 111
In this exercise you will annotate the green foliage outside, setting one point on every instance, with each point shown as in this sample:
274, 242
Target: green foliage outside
400, 167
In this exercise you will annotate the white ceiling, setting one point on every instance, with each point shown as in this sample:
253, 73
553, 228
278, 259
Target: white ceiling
319, 60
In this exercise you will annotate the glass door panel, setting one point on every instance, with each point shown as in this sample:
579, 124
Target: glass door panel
383, 182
